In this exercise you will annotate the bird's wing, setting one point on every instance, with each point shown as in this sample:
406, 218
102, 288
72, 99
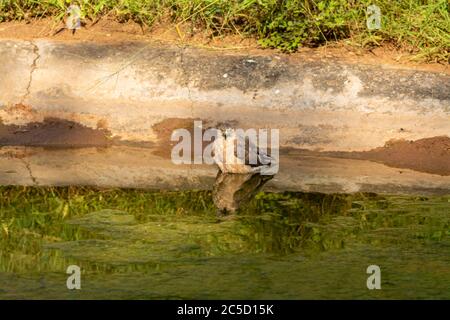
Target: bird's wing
262, 158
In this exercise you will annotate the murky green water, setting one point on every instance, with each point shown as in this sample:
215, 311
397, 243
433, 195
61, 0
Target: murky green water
134, 244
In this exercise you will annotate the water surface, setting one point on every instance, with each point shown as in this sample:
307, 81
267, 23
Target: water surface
135, 244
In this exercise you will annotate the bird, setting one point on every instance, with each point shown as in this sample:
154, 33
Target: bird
228, 159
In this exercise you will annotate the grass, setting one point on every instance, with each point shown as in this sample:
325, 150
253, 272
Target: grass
421, 27
31, 217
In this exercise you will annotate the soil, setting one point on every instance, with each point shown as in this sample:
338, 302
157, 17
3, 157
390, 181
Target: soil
109, 30
431, 155
164, 130
53, 132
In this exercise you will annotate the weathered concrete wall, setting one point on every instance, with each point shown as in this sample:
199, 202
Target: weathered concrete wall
129, 89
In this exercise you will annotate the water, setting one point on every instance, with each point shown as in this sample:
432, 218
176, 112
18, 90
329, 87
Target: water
136, 244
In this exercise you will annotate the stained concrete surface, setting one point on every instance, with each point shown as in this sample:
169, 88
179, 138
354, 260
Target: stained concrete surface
121, 94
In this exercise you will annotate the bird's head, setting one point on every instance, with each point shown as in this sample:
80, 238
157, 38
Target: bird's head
228, 133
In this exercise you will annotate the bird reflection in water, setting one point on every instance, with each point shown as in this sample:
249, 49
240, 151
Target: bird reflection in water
232, 190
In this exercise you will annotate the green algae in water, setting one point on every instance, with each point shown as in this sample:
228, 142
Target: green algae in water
135, 244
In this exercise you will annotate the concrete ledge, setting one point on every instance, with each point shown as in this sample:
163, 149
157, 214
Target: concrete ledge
132, 167
130, 90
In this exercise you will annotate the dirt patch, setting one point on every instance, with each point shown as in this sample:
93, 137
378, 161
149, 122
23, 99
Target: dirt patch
164, 130
50, 28
431, 155
19, 114
166, 127
53, 132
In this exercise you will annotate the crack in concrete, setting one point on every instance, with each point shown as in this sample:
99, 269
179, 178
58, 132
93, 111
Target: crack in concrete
30, 172
33, 68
